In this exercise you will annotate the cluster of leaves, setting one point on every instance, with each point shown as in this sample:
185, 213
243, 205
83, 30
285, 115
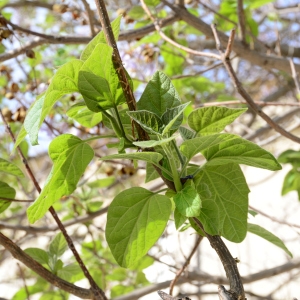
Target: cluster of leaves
215, 192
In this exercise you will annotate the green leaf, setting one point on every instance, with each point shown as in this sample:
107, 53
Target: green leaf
229, 191
58, 295
69, 271
188, 202
290, 156
151, 173
151, 157
39, 255
70, 156
135, 220
151, 122
40, 286
21, 136
103, 182
159, 95
193, 146
270, 237
153, 143
58, 246
118, 274
6, 192
10, 168
81, 114
234, 149
291, 182
63, 82
100, 38
142, 263
179, 218
173, 117
209, 216
120, 289
210, 120
186, 133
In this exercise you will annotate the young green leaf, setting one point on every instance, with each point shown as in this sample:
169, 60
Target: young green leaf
6, 192
100, 38
270, 237
186, 133
58, 246
153, 143
40, 255
159, 95
63, 82
188, 202
10, 168
191, 147
291, 182
81, 114
173, 117
151, 157
290, 156
151, 173
210, 120
229, 190
234, 149
69, 271
70, 156
20, 138
179, 218
151, 122
135, 220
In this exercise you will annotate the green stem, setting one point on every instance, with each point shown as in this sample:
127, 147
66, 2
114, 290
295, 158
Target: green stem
176, 178
178, 153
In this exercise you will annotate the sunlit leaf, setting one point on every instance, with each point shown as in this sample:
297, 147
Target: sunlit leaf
10, 168
6, 192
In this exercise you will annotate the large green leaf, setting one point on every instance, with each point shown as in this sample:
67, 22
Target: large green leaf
135, 220
210, 120
69, 271
151, 173
10, 168
186, 133
173, 117
100, 38
80, 113
290, 156
151, 122
229, 191
188, 202
100, 64
63, 82
70, 156
235, 149
6, 192
159, 95
270, 237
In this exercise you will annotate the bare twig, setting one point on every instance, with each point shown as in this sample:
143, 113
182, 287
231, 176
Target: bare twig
90, 16
28, 261
24, 281
187, 262
167, 39
14, 200
242, 19
237, 84
98, 293
295, 77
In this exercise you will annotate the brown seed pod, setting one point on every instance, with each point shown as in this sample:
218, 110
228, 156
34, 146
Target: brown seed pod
14, 88
5, 32
29, 53
20, 114
60, 8
10, 95
7, 114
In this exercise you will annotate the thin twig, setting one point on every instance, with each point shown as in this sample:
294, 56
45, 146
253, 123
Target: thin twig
98, 293
14, 200
187, 262
241, 18
261, 103
24, 282
295, 77
90, 16
167, 39
237, 84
